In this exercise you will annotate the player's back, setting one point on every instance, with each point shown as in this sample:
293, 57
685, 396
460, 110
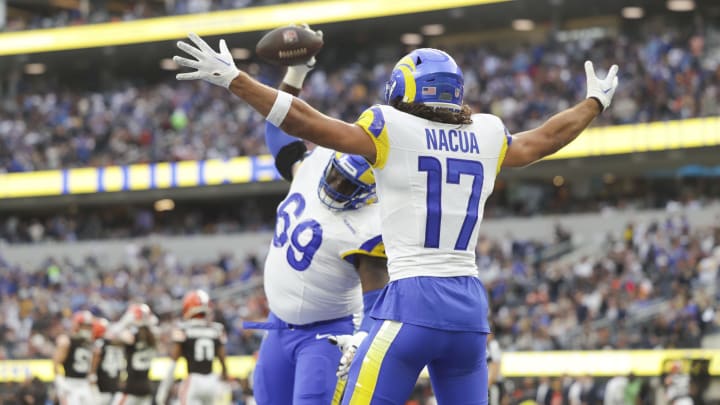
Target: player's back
306, 279
200, 341
109, 367
78, 359
433, 180
138, 357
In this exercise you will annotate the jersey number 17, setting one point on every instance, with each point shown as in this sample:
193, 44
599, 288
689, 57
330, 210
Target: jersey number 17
455, 168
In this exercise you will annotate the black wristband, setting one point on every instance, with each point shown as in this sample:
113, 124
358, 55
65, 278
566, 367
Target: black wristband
600, 104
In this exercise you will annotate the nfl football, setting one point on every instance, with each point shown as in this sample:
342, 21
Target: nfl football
290, 45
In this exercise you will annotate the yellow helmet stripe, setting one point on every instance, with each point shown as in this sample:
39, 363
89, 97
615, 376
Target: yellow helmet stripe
407, 61
410, 90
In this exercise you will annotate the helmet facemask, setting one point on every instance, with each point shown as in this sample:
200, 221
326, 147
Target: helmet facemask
340, 187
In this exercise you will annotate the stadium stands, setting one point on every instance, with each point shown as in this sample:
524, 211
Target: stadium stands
650, 284
539, 301
98, 12
669, 74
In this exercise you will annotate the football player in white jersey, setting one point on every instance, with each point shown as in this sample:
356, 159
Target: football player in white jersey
435, 164
325, 264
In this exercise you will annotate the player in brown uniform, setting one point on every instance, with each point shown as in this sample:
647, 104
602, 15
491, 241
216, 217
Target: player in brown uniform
107, 364
200, 341
138, 342
73, 354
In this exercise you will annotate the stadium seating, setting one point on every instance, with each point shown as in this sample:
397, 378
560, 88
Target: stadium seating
665, 77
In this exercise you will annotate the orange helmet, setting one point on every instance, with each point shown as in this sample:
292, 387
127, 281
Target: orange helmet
82, 321
139, 314
196, 302
99, 327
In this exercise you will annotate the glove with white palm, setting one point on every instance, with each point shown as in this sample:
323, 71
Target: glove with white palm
213, 67
348, 345
295, 75
601, 90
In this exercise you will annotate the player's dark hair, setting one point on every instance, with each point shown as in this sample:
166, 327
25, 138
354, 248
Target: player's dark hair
146, 335
462, 117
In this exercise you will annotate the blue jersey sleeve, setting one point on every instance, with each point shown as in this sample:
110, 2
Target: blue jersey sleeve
287, 150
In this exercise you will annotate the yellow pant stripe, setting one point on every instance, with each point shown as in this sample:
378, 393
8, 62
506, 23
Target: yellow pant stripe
339, 390
370, 369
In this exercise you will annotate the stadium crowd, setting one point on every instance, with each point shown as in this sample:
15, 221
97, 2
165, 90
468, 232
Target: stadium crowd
93, 12
37, 303
539, 302
667, 74
665, 270
542, 294
74, 223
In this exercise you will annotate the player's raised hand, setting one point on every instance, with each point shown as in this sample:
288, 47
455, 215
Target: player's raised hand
601, 89
348, 345
213, 67
296, 74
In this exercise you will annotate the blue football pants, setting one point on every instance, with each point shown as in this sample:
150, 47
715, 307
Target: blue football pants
390, 359
296, 366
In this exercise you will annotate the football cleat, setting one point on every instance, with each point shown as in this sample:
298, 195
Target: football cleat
347, 183
195, 303
426, 76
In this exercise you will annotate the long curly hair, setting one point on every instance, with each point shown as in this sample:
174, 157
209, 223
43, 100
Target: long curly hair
462, 117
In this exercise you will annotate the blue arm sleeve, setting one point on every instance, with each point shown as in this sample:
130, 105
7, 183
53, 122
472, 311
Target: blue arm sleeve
369, 299
287, 150
276, 139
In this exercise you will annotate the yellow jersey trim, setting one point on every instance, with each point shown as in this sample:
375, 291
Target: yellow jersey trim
373, 123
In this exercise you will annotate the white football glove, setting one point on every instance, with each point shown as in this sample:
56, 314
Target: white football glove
296, 74
216, 68
348, 345
602, 90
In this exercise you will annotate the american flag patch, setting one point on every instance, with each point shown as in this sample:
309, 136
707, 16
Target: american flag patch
429, 91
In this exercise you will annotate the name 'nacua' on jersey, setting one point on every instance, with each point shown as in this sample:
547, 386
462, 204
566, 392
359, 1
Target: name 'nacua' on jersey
453, 141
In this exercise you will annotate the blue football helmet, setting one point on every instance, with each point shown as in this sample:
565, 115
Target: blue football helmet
426, 76
348, 183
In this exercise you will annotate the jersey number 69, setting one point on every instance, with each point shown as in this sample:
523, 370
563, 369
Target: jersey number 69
299, 244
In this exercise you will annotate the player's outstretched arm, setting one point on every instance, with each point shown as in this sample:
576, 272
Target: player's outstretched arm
292, 115
288, 150
561, 129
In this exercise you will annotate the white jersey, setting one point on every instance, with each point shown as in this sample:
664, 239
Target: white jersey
306, 278
433, 180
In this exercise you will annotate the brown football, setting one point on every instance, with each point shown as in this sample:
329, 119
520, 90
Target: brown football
291, 45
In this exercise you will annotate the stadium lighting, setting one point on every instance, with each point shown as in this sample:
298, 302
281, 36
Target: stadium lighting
240, 53
432, 29
523, 25
168, 64
681, 5
632, 13
411, 39
165, 204
35, 68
